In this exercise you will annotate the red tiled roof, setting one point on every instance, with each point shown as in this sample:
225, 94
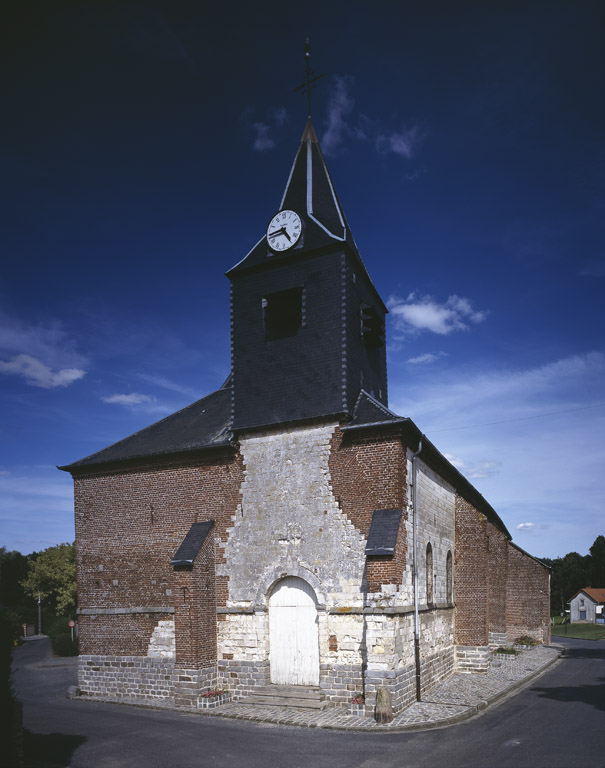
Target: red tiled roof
595, 593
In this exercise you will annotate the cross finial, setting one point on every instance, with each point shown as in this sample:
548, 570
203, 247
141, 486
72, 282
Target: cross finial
307, 85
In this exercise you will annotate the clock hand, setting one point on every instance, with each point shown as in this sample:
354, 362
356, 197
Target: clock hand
281, 231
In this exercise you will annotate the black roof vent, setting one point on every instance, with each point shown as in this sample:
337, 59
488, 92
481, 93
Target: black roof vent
383, 532
192, 543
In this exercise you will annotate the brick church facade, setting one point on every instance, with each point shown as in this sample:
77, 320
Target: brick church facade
289, 528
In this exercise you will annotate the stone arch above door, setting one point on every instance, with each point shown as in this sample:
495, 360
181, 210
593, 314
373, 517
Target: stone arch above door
277, 574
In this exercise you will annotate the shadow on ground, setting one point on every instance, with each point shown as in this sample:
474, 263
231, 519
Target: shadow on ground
585, 653
588, 694
52, 750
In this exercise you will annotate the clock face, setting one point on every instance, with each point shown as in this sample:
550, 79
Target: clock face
284, 230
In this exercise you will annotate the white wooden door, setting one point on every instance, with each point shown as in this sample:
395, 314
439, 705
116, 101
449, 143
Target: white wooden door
293, 633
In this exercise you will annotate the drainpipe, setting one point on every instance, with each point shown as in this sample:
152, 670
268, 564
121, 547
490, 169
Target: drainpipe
415, 568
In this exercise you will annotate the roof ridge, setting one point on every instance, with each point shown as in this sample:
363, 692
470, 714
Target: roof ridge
375, 402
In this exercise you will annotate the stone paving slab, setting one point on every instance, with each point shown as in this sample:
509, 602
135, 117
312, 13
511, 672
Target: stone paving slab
461, 696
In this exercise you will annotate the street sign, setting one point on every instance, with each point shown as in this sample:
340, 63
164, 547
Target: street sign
71, 623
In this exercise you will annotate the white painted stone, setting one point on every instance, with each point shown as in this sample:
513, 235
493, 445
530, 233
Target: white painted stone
162, 643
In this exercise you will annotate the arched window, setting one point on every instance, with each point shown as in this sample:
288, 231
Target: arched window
429, 574
449, 578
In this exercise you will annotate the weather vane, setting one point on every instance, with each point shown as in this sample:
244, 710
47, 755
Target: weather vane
307, 85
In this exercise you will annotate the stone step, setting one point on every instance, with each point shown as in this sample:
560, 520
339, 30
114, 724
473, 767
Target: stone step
301, 697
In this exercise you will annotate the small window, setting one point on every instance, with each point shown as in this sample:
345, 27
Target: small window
429, 574
283, 313
372, 326
449, 578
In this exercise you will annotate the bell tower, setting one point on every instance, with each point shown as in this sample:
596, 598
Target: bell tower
307, 324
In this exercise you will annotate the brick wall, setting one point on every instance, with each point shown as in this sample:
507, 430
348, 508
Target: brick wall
527, 597
128, 527
471, 579
497, 572
118, 634
195, 610
369, 473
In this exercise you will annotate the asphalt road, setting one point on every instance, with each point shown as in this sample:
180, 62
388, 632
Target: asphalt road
557, 722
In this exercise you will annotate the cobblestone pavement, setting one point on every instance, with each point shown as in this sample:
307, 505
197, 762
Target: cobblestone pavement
458, 698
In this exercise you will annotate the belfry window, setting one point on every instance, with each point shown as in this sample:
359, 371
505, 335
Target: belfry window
283, 313
372, 326
429, 574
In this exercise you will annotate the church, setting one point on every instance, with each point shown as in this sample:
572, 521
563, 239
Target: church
289, 530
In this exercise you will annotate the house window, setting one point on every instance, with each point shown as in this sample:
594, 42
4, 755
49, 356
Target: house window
429, 574
283, 313
449, 578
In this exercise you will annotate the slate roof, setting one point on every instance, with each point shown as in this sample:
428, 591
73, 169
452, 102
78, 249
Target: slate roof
364, 419
368, 410
383, 532
310, 192
203, 424
192, 543
594, 593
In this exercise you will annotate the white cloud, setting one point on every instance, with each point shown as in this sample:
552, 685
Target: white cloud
134, 398
36, 508
262, 140
171, 386
43, 354
264, 130
48, 342
423, 313
278, 115
426, 357
37, 374
403, 143
344, 122
340, 107
474, 471
543, 424
530, 527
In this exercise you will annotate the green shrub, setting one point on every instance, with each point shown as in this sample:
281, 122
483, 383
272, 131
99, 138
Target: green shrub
526, 640
506, 651
10, 728
63, 645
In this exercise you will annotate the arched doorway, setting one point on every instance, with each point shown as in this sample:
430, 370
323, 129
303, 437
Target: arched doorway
293, 633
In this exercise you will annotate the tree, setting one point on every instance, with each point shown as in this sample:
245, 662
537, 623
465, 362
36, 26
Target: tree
13, 569
52, 574
597, 570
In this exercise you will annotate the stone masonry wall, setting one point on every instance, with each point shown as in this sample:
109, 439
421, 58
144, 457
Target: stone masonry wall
436, 525
527, 597
288, 520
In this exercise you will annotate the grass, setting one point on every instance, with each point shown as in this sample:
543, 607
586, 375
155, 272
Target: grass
579, 631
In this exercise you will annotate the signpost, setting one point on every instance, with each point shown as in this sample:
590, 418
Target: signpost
71, 624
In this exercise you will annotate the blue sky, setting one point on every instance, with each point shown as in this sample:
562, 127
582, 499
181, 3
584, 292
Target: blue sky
145, 146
